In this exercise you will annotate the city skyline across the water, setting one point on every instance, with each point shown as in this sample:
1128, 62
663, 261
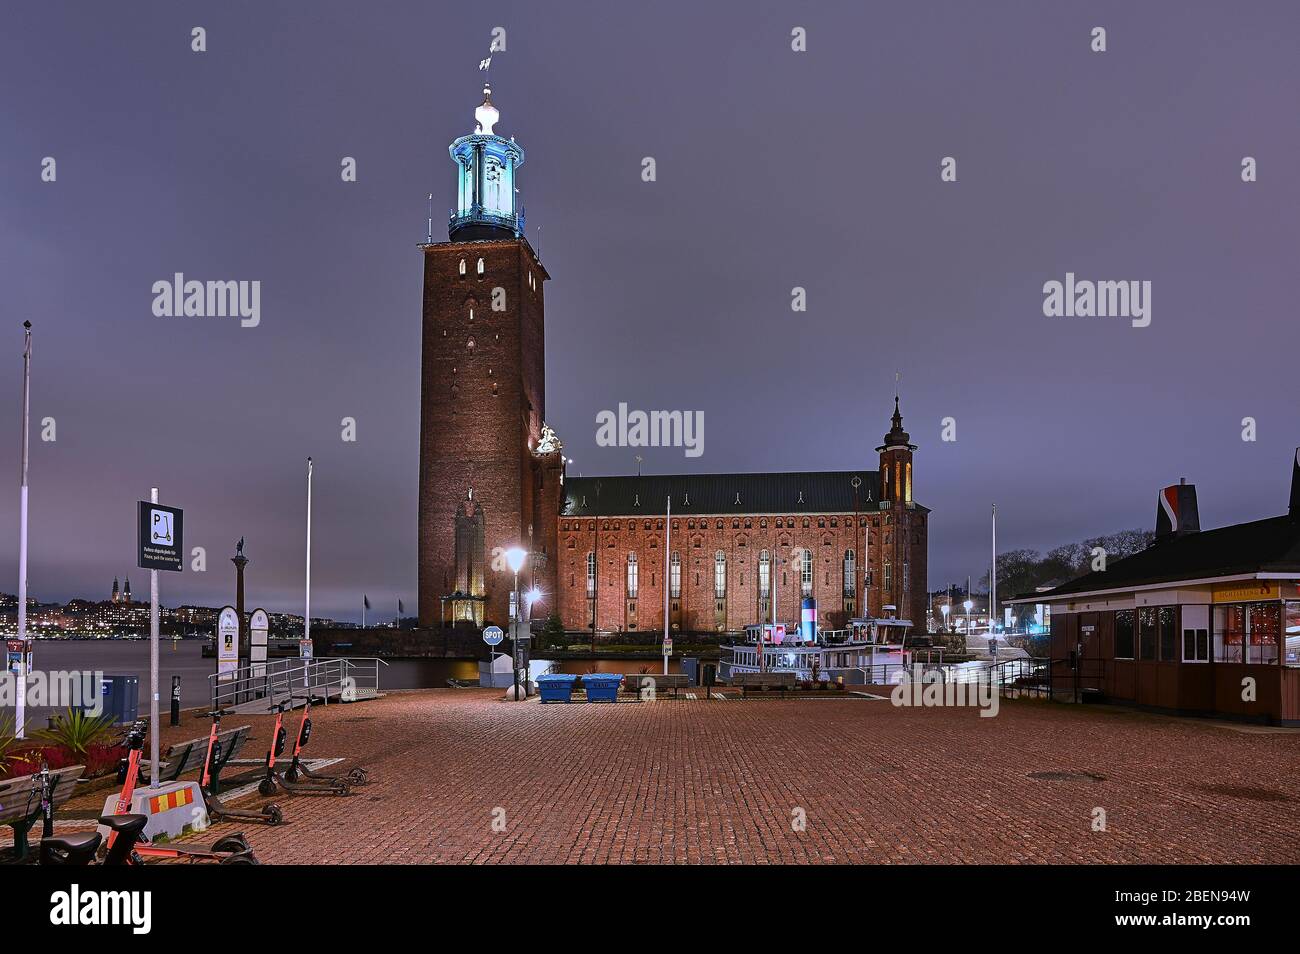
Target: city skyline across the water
760, 239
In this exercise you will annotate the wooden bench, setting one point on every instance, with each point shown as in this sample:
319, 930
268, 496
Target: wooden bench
188, 757
636, 681
20, 802
763, 681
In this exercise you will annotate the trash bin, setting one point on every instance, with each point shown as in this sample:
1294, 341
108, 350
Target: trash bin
602, 686
556, 687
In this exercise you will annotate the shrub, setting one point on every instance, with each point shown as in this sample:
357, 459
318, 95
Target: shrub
10, 756
76, 732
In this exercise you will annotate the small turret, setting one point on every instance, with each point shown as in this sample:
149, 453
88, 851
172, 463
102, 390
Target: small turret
896, 462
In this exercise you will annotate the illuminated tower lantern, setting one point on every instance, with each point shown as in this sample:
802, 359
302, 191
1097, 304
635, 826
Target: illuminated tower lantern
486, 204
490, 468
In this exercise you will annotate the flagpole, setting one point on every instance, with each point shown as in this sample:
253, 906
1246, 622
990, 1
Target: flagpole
306, 613
21, 700
668, 542
993, 573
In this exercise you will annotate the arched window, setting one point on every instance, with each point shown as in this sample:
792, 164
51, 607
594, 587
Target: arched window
675, 581
720, 575
479, 267
631, 576
764, 574
805, 573
469, 556
591, 575
462, 266
850, 573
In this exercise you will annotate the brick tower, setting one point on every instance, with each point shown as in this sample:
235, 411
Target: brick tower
900, 542
490, 468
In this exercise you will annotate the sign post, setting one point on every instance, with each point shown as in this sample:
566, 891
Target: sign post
227, 643
159, 541
259, 627
492, 635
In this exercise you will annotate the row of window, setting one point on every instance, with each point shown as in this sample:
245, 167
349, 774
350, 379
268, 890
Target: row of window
1242, 632
480, 268
702, 523
805, 568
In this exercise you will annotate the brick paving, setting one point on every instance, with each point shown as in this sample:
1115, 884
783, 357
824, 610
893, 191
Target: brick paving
703, 782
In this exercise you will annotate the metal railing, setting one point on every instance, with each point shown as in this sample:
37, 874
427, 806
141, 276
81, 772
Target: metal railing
1012, 676
347, 678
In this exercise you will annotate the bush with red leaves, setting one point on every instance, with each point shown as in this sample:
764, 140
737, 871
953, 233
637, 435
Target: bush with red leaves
100, 759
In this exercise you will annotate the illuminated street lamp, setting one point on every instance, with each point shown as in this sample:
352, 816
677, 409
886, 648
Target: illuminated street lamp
945, 609
969, 604
515, 559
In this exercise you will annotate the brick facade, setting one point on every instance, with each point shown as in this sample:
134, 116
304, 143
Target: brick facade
482, 407
891, 534
483, 450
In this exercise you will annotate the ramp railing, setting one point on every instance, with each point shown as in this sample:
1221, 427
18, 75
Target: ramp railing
248, 688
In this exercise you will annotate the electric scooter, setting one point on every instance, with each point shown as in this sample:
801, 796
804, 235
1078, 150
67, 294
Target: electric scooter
227, 850
298, 769
79, 850
274, 779
269, 814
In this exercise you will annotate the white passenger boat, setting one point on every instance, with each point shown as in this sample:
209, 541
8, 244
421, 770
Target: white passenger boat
871, 651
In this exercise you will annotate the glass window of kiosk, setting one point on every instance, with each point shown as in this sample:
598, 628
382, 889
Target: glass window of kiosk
1167, 617
1248, 632
1263, 631
1124, 634
1147, 632
1292, 619
1230, 632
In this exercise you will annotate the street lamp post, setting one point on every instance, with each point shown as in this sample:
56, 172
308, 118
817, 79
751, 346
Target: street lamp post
969, 604
21, 712
945, 609
515, 558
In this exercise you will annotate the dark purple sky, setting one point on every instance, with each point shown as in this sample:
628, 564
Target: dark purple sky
775, 169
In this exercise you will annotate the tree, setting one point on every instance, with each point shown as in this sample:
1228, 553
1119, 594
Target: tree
554, 635
1021, 572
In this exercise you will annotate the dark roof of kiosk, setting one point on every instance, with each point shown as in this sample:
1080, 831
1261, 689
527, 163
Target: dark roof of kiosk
1261, 546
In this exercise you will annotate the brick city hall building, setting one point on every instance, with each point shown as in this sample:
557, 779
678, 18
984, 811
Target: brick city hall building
492, 473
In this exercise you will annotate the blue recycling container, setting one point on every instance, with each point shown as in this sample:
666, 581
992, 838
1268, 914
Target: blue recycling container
556, 687
602, 686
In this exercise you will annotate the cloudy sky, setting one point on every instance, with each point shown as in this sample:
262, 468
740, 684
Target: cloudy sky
775, 169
